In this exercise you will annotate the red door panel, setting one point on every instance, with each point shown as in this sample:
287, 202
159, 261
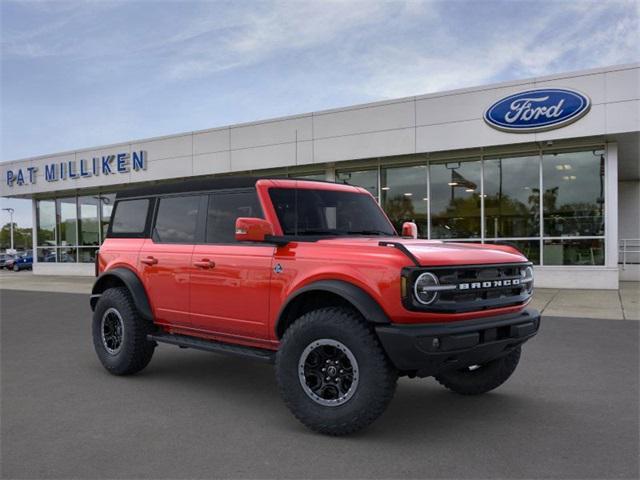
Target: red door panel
230, 289
165, 272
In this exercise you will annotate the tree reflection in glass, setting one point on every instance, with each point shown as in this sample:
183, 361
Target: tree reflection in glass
404, 196
455, 200
573, 198
512, 197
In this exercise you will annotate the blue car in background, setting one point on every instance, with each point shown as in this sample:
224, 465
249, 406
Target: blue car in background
22, 262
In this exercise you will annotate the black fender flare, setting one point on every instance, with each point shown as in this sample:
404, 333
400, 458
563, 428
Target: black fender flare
356, 296
131, 282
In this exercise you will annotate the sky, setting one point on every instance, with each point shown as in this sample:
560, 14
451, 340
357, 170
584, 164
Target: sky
87, 73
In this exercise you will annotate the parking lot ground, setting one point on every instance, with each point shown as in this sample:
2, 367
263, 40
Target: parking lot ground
26, 280
569, 411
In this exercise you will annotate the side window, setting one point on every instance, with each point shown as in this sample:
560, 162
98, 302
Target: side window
130, 216
224, 209
176, 219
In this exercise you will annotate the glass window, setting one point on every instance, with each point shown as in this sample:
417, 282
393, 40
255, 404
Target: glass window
327, 212
88, 221
106, 204
46, 222
224, 209
512, 197
455, 199
130, 216
177, 219
573, 198
574, 252
46, 254
67, 255
405, 196
67, 221
309, 176
367, 179
529, 248
87, 255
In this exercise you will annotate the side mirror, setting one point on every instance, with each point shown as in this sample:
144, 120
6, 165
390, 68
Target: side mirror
410, 230
252, 229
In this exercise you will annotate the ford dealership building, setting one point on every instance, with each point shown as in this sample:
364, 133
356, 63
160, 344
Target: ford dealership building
550, 165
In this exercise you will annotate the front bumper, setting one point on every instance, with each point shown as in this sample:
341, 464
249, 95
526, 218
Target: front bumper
426, 350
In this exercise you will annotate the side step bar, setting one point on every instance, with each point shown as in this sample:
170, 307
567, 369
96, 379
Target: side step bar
185, 341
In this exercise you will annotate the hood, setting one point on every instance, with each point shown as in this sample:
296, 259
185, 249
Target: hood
436, 253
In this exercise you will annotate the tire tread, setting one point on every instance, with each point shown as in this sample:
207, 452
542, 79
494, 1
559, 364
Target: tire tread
360, 331
137, 353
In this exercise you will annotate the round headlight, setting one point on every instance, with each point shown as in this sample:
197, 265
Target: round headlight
527, 279
425, 289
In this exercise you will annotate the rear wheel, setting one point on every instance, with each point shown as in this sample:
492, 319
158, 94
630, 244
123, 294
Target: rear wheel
120, 333
332, 373
16, 268
479, 379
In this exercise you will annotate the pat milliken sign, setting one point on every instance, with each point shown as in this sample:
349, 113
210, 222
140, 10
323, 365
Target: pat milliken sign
537, 110
105, 165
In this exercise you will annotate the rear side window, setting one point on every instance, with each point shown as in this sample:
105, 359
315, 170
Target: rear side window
130, 217
177, 219
224, 209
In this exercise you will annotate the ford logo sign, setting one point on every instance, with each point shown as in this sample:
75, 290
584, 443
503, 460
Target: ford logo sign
537, 110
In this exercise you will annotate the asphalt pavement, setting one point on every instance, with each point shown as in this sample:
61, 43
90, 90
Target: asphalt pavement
569, 411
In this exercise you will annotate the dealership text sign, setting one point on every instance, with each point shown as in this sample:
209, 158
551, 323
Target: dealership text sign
537, 110
77, 169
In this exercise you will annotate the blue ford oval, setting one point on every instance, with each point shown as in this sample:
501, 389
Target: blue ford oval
537, 110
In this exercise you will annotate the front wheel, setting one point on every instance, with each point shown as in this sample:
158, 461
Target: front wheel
16, 268
479, 379
332, 373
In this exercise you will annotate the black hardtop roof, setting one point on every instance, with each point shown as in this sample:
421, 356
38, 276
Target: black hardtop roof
199, 185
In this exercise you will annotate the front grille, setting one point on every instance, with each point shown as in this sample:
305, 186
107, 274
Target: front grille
474, 287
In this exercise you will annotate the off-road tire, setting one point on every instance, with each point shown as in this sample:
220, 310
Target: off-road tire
482, 380
136, 351
377, 377
16, 268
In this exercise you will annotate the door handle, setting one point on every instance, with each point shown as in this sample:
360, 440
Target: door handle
149, 260
205, 263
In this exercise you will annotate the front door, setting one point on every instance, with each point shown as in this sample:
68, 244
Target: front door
230, 280
165, 259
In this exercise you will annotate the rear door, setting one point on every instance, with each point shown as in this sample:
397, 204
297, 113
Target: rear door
165, 258
229, 279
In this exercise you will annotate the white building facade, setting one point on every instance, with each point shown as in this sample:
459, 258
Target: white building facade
550, 165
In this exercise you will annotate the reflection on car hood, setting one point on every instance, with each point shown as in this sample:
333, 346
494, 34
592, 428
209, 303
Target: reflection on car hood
435, 253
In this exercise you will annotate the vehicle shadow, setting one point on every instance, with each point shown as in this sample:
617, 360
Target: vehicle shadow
421, 407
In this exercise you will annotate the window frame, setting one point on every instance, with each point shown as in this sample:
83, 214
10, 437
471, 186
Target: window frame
147, 227
154, 218
208, 197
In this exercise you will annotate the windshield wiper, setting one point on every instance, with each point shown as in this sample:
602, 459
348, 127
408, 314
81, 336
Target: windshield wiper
345, 232
321, 232
371, 232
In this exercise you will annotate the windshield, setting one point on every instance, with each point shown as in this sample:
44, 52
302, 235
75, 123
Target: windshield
327, 212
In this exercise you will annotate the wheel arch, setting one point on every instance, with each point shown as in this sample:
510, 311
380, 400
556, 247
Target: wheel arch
123, 277
328, 293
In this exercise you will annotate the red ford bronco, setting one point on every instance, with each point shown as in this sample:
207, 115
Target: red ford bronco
313, 277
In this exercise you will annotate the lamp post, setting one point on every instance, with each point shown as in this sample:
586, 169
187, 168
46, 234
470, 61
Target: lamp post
10, 210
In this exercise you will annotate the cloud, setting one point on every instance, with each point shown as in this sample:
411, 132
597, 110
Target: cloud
101, 72
262, 33
401, 48
561, 38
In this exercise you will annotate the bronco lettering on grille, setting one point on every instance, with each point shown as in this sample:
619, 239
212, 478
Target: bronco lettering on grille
489, 284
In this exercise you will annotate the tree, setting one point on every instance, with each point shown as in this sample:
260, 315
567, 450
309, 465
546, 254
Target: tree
22, 237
